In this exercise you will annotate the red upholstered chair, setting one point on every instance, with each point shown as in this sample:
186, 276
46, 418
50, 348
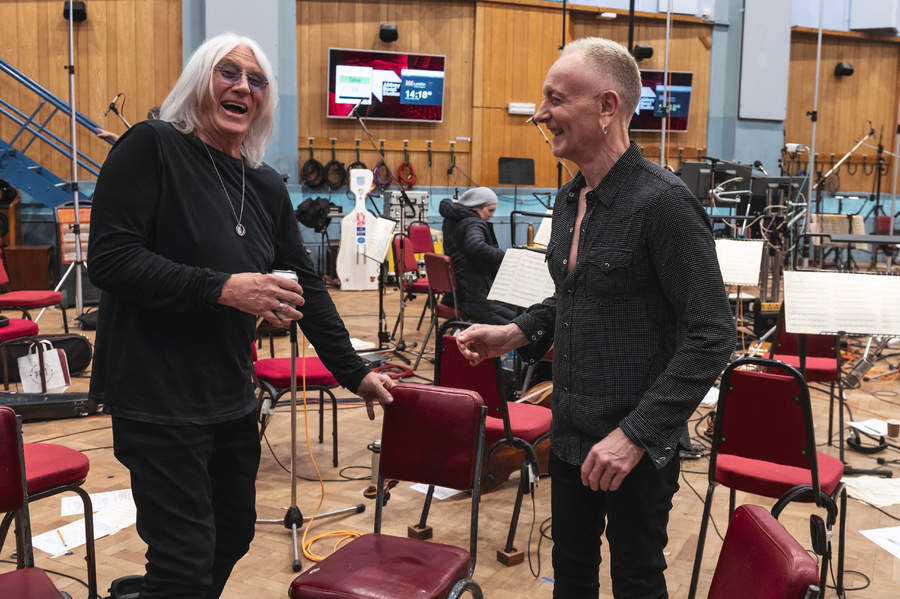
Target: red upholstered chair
273, 377
26, 582
420, 238
441, 280
822, 361
29, 300
412, 283
761, 560
509, 424
17, 328
431, 435
773, 457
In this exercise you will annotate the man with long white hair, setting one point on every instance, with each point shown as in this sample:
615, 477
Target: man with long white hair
186, 222
639, 323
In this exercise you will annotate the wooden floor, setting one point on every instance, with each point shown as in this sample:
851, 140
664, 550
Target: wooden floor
266, 570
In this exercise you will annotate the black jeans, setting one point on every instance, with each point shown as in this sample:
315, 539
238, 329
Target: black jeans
194, 488
634, 517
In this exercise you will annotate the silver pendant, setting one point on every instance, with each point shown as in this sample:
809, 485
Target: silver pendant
240, 230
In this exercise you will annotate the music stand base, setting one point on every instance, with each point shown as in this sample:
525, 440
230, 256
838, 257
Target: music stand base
850, 470
510, 558
419, 532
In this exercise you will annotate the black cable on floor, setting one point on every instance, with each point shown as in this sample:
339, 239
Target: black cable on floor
343, 478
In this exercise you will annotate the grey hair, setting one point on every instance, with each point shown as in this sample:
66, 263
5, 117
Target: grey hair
182, 106
612, 60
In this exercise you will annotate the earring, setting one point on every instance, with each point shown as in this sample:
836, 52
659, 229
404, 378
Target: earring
604, 129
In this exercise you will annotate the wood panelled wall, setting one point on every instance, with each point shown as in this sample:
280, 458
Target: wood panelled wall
498, 51
846, 104
518, 41
129, 46
425, 27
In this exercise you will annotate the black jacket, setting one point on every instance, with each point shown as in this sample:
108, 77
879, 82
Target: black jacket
472, 246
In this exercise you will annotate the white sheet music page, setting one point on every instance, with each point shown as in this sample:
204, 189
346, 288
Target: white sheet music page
740, 261
830, 302
523, 279
542, 237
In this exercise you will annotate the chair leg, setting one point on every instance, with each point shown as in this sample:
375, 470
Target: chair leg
701, 540
509, 556
334, 429
90, 553
731, 498
4, 527
841, 537
321, 418
64, 318
422, 315
431, 327
831, 412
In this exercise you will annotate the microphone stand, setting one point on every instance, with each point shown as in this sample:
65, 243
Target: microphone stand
115, 111
400, 345
293, 517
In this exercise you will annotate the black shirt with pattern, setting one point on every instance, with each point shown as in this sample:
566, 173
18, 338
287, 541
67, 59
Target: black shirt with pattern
641, 327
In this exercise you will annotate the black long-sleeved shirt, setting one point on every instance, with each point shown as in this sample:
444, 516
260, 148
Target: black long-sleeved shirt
641, 327
162, 245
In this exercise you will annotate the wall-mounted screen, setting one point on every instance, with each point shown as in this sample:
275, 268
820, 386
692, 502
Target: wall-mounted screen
649, 113
385, 85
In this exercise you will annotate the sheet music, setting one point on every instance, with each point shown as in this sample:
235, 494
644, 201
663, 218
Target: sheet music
830, 302
523, 279
542, 237
379, 239
837, 223
739, 261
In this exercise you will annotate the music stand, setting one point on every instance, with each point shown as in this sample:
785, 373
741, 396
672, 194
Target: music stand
515, 172
739, 261
839, 303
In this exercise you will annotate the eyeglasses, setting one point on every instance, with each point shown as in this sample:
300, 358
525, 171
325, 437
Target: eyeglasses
232, 75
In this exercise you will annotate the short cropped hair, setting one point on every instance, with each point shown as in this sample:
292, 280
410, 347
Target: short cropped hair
612, 60
182, 106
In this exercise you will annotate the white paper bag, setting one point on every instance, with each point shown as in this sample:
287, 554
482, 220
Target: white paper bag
56, 369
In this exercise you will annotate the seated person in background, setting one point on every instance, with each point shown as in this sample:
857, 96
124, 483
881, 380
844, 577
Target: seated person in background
470, 242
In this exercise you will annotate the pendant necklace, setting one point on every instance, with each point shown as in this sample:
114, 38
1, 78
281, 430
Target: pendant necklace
238, 228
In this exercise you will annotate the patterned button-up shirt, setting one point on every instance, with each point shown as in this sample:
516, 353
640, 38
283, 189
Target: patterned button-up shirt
641, 327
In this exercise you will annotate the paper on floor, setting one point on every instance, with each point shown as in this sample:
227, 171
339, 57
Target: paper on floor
439, 492
58, 541
876, 490
72, 506
886, 538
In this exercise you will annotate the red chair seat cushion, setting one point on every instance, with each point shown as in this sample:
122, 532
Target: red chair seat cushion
277, 372
48, 465
28, 583
420, 284
29, 299
377, 566
774, 480
18, 327
527, 421
817, 369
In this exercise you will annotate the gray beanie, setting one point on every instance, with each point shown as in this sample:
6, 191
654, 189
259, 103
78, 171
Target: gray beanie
477, 197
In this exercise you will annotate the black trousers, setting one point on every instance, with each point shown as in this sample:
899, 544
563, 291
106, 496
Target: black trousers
194, 488
634, 517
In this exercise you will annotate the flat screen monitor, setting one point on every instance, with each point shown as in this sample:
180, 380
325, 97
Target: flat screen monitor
649, 113
386, 85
